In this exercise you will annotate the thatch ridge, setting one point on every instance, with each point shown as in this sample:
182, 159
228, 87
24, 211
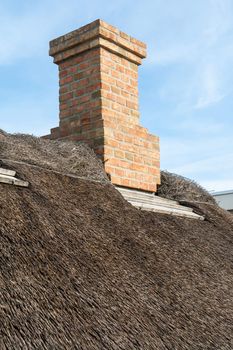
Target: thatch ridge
180, 188
63, 156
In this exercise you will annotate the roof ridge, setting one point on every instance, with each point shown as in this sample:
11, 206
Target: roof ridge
53, 171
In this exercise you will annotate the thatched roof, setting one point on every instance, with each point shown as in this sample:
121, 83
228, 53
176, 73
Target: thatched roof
65, 157
179, 188
83, 269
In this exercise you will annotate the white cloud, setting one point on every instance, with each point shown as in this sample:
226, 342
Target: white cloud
219, 163
200, 126
207, 160
197, 49
210, 87
171, 54
223, 184
27, 33
23, 35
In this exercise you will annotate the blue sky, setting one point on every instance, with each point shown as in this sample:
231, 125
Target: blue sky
186, 82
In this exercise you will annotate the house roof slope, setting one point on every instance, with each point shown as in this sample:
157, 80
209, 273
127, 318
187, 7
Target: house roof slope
83, 269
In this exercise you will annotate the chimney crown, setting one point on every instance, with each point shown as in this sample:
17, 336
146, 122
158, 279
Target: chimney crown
97, 34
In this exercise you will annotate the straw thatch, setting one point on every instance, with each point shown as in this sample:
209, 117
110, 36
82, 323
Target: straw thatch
83, 269
66, 157
179, 188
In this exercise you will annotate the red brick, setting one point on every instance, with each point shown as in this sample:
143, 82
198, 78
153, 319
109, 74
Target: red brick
66, 80
65, 97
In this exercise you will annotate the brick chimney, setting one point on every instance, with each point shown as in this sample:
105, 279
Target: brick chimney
98, 78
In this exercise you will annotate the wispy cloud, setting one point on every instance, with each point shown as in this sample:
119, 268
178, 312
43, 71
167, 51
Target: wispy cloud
26, 33
200, 126
220, 163
208, 159
220, 184
199, 48
210, 86
23, 34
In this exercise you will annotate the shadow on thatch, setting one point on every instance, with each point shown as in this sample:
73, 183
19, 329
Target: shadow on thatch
83, 269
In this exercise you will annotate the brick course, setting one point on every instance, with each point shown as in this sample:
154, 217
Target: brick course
98, 95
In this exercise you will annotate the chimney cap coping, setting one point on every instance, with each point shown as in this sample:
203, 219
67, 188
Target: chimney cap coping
95, 30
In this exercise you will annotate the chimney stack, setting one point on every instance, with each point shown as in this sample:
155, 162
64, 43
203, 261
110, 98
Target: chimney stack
98, 79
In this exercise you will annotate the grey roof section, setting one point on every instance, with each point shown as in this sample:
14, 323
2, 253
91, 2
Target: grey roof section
224, 199
220, 193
